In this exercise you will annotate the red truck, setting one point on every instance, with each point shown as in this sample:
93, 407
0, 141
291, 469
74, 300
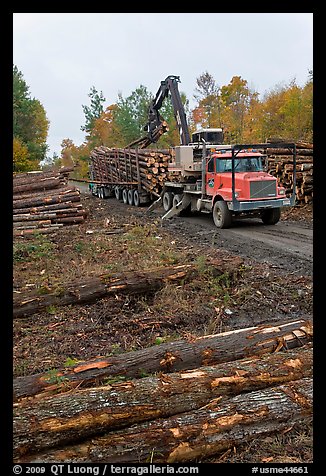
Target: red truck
229, 181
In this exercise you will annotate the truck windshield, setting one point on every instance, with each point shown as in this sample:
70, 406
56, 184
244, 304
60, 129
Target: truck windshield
243, 164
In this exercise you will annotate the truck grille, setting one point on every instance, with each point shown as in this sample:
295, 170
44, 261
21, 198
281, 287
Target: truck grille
263, 189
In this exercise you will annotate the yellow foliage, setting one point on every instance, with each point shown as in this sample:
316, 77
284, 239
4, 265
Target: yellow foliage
21, 161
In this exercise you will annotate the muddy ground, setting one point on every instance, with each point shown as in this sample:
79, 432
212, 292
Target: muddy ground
272, 284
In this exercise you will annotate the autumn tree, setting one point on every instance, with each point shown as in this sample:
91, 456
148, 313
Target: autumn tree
105, 130
76, 157
287, 112
21, 162
30, 125
236, 98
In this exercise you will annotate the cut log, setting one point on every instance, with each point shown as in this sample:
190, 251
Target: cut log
39, 185
198, 434
171, 357
93, 288
62, 419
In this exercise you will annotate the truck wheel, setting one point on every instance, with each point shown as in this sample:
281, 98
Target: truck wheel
130, 197
136, 198
167, 201
176, 199
271, 216
118, 193
221, 214
125, 196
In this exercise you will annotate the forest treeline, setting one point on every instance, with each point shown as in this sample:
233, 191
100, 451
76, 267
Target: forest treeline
285, 111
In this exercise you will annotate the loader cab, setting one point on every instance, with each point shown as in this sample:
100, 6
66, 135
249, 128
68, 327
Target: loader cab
210, 136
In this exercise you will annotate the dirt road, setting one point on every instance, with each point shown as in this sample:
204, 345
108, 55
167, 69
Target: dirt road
288, 244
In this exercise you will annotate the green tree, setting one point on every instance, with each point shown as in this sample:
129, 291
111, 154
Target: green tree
93, 111
131, 114
30, 124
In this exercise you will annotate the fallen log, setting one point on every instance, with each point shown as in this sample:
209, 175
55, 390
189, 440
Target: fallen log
170, 357
31, 233
198, 434
96, 287
62, 419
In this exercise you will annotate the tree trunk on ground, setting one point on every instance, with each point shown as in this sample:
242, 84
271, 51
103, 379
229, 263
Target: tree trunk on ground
171, 357
69, 418
93, 288
197, 434
26, 303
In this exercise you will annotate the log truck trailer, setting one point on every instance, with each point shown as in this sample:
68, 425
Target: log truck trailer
225, 180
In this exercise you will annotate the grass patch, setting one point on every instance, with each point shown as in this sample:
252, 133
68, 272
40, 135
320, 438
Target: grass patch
40, 249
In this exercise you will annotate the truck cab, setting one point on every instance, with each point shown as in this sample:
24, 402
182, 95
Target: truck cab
251, 181
209, 135
242, 188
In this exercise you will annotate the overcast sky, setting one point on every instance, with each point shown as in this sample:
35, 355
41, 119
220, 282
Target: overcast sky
62, 55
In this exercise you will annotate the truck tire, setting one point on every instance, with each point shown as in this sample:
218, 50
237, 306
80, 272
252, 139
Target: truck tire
221, 214
271, 216
136, 198
176, 199
130, 197
125, 196
118, 193
167, 201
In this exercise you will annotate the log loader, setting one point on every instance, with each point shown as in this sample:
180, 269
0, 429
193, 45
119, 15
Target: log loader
225, 180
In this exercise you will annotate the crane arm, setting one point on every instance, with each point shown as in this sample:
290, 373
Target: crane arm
156, 121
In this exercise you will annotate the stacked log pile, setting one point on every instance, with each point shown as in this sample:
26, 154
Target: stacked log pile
280, 164
43, 202
209, 399
131, 166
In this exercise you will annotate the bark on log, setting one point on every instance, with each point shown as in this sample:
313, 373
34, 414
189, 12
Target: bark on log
96, 287
63, 419
171, 357
198, 434
40, 185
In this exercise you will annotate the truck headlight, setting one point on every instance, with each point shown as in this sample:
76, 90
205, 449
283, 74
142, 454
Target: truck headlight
281, 191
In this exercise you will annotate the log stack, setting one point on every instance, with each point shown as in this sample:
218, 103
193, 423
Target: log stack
280, 164
43, 202
193, 410
131, 166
